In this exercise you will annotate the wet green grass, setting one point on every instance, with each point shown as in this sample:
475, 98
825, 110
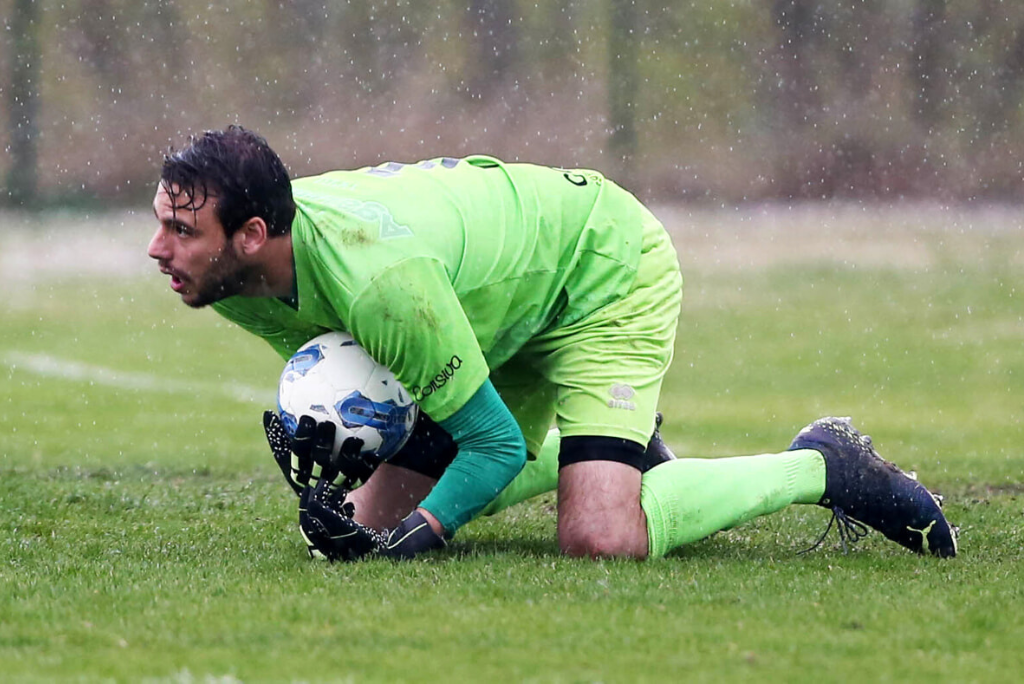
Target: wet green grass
145, 533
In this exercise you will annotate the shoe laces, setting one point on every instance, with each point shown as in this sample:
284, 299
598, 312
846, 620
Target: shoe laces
850, 530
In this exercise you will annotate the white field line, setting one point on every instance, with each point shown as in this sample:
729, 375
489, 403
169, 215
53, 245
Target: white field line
48, 366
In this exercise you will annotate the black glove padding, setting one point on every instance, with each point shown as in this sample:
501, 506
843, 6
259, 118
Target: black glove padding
281, 447
328, 528
305, 458
313, 443
351, 463
330, 531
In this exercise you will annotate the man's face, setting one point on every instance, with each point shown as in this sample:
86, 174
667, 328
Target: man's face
190, 247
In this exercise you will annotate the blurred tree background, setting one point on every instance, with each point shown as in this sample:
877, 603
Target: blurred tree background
720, 101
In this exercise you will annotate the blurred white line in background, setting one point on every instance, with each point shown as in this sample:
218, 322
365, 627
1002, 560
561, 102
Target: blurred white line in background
44, 365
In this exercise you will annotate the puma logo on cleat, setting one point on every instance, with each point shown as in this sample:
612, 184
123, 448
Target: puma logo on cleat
924, 534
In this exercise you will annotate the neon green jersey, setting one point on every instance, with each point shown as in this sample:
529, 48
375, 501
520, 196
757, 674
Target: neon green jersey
445, 269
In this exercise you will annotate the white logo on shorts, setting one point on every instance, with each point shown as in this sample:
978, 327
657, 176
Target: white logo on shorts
621, 395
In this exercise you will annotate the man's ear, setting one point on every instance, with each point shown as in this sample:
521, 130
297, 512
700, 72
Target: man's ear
251, 237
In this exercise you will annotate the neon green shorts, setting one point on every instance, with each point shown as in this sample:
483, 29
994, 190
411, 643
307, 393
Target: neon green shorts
602, 375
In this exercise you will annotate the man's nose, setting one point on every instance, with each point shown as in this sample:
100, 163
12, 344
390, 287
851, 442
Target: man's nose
158, 248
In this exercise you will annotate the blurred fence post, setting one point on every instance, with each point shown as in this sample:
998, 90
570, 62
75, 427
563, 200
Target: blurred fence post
622, 87
1004, 97
796, 99
23, 103
495, 47
928, 46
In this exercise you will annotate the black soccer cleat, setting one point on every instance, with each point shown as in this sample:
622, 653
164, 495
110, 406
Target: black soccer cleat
861, 485
657, 451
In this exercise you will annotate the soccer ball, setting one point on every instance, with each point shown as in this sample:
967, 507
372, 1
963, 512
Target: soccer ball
331, 378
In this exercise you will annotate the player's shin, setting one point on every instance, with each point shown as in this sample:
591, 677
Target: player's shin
689, 499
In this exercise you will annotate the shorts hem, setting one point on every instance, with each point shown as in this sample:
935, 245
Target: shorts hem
599, 430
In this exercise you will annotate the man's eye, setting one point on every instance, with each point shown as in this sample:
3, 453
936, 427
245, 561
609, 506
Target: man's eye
181, 230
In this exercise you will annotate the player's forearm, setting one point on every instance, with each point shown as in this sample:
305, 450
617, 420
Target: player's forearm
492, 451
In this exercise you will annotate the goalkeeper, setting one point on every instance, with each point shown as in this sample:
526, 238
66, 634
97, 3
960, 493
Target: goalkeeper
505, 298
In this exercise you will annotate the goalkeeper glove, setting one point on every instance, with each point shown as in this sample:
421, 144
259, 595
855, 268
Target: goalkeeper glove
331, 532
294, 455
315, 442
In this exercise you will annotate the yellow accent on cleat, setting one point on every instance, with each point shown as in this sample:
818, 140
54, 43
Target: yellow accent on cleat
924, 535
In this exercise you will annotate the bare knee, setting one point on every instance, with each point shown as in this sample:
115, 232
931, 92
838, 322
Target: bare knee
599, 514
602, 543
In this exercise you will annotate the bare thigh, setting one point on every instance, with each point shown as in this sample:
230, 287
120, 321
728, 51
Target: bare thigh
599, 513
389, 495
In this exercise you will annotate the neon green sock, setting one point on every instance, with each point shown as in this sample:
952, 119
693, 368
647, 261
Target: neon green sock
691, 498
537, 477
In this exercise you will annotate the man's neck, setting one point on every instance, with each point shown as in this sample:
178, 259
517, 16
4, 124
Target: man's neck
276, 270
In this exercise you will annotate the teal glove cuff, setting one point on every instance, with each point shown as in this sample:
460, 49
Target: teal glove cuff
492, 451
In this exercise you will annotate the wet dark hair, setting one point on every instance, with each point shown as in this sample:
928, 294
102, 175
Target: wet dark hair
237, 167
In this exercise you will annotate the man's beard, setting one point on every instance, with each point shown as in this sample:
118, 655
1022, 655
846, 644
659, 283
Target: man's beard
227, 277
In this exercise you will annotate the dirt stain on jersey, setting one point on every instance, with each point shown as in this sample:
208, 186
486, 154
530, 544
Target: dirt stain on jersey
356, 237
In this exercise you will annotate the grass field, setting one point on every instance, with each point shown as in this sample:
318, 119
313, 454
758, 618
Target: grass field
146, 534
